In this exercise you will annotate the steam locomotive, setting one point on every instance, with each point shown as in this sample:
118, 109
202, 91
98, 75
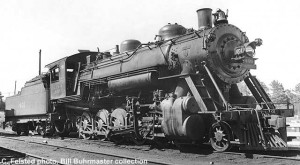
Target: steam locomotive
182, 87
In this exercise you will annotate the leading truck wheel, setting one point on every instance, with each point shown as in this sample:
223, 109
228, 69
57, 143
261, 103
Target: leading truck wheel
220, 135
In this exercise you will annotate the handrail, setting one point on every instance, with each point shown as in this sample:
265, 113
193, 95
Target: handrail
225, 103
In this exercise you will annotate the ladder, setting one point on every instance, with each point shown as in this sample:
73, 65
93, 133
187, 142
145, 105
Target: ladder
200, 93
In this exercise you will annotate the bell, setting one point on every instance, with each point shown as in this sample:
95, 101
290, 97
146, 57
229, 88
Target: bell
220, 17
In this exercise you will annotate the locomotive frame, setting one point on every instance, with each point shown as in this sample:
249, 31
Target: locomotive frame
180, 88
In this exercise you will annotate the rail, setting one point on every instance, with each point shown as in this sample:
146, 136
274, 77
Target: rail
152, 161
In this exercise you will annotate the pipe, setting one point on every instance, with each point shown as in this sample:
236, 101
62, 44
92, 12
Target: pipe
117, 49
77, 107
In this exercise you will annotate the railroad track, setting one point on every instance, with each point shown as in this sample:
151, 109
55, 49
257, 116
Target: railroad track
257, 155
239, 153
118, 156
11, 156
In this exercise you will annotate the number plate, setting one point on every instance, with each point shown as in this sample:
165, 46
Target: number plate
248, 61
239, 50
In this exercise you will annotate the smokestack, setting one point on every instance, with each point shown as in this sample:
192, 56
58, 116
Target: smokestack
204, 18
40, 56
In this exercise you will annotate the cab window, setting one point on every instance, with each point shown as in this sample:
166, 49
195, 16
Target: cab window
55, 74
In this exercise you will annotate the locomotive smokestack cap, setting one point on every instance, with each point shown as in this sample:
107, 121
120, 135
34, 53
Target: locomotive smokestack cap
204, 18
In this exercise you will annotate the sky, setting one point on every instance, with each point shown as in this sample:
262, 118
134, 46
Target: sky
60, 27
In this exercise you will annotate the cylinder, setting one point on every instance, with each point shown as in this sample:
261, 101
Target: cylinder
204, 18
178, 122
181, 88
189, 104
194, 127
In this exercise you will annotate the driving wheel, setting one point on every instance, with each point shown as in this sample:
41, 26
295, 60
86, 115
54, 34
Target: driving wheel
85, 126
101, 123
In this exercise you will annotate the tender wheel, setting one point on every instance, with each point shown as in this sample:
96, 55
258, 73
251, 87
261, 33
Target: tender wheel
40, 129
86, 126
49, 129
25, 128
101, 123
220, 135
26, 132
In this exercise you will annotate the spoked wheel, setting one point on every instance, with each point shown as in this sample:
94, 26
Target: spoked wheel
41, 129
140, 139
62, 127
49, 129
118, 121
85, 126
220, 135
101, 123
78, 121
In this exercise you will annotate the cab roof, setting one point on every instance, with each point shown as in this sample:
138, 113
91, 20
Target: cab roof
78, 57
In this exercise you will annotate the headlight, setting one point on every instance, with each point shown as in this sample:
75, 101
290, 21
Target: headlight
250, 51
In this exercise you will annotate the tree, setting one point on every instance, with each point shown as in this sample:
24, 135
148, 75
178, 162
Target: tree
244, 89
296, 93
2, 103
297, 88
279, 95
264, 86
246, 92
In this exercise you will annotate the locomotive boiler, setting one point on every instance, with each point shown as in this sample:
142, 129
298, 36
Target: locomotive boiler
182, 87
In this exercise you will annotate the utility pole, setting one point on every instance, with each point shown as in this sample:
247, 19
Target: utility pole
15, 87
40, 56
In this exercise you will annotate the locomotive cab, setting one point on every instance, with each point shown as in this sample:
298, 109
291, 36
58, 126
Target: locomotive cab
64, 74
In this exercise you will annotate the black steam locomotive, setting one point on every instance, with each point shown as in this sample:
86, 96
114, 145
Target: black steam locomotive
182, 88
